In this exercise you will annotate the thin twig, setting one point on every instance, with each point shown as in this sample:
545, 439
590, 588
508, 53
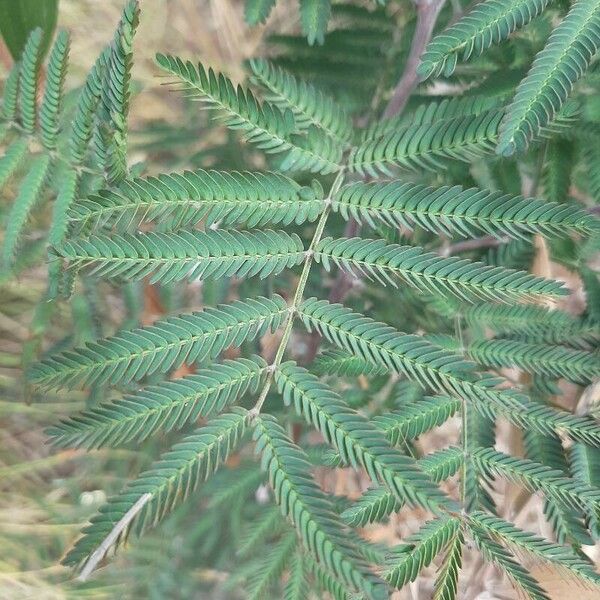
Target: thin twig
111, 538
427, 14
489, 241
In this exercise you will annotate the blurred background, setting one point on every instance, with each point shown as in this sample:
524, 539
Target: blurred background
46, 496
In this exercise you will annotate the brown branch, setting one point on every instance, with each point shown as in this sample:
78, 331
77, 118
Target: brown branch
489, 241
427, 14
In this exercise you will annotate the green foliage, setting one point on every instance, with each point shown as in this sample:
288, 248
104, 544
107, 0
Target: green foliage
489, 22
358, 442
108, 81
309, 104
454, 210
551, 361
53, 92
396, 364
431, 145
28, 81
169, 257
499, 556
263, 124
307, 507
458, 277
407, 560
132, 355
555, 70
22, 207
164, 407
214, 197
167, 483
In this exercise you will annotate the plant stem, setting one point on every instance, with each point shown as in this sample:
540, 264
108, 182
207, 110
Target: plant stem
427, 14
299, 293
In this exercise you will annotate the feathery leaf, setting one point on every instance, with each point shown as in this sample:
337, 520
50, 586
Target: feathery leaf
489, 22
309, 510
540, 96
187, 198
191, 255
165, 406
28, 81
169, 482
428, 272
358, 442
132, 355
264, 125
453, 210
407, 560
53, 92
29, 193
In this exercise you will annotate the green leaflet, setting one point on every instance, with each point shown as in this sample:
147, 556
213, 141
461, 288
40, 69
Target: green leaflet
28, 80
308, 508
53, 90
132, 355
432, 111
10, 95
585, 468
538, 477
169, 257
455, 210
168, 482
446, 583
272, 567
162, 407
264, 125
557, 174
314, 15
509, 534
64, 199
28, 195
406, 561
89, 98
430, 146
358, 442
489, 22
296, 587
185, 199
553, 361
13, 156
428, 272
115, 94
338, 362
550, 80
535, 323
377, 503
270, 524
416, 418
498, 555
374, 505
310, 105
432, 366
